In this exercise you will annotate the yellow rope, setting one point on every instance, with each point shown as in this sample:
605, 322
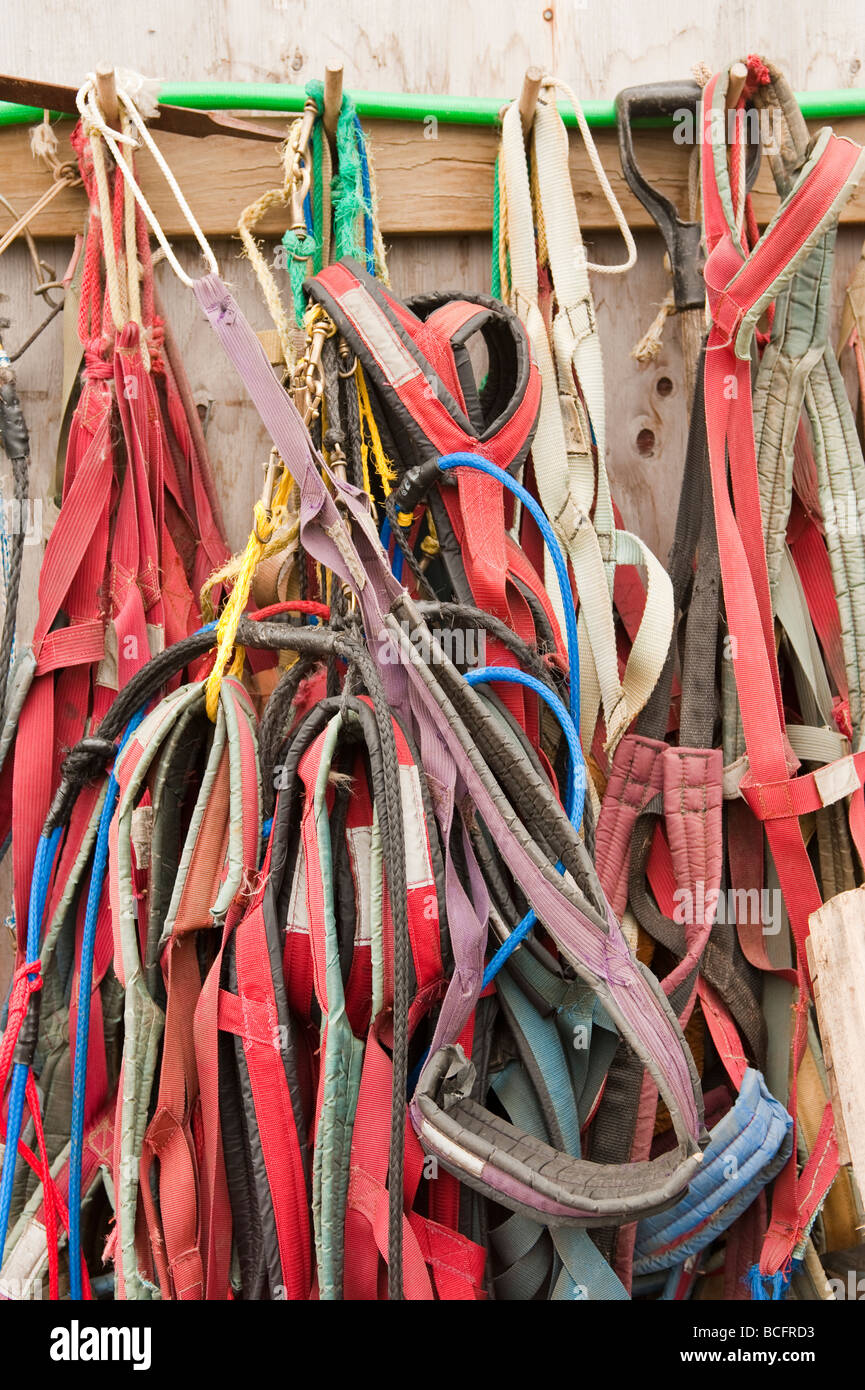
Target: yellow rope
383, 464
226, 632
504, 277
228, 573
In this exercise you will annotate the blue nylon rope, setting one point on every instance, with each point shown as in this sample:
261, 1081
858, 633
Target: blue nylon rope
396, 563
369, 244
82, 1031
577, 787
575, 800
576, 793
42, 869
482, 465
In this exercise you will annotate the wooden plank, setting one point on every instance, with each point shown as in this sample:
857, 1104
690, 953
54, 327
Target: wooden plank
836, 953
482, 48
432, 180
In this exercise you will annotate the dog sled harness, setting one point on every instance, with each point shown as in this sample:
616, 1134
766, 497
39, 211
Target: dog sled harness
482, 1150
417, 359
744, 277
571, 427
137, 534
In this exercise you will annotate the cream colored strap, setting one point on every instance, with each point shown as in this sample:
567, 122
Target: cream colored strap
564, 465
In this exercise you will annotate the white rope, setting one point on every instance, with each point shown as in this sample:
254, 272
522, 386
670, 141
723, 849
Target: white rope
91, 114
600, 174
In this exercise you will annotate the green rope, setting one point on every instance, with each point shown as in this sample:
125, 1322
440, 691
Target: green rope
317, 202
301, 249
495, 277
347, 201
349, 207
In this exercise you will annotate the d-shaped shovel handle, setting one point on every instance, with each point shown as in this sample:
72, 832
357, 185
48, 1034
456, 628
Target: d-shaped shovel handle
682, 239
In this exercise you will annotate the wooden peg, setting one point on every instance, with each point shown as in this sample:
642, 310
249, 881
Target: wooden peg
529, 98
738, 78
332, 98
106, 93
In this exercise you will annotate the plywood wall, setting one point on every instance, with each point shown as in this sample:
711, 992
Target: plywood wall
480, 48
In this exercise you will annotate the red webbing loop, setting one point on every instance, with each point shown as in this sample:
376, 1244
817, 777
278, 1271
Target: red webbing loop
733, 287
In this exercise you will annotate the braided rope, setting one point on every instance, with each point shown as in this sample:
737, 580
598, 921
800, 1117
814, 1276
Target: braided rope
249, 218
264, 525
90, 113
371, 439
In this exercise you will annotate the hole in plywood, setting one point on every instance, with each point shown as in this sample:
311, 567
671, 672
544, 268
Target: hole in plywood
646, 443
663, 386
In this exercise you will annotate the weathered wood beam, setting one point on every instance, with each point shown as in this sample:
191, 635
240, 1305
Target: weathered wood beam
431, 179
836, 955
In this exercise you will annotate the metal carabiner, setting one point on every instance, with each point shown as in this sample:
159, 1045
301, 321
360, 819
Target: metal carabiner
308, 378
271, 468
300, 173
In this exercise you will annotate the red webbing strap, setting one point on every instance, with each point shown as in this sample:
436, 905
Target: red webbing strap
719, 1020
691, 863
733, 286
215, 1205
745, 854
27, 981
477, 510
358, 826
725, 1034
437, 1261
636, 776
111, 554
74, 557
252, 1014
811, 558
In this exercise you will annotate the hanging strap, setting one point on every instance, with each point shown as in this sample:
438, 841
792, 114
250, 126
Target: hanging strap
739, 290
596, 947
571, 425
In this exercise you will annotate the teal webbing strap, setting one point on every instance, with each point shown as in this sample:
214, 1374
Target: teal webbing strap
565, 1257
341, 1068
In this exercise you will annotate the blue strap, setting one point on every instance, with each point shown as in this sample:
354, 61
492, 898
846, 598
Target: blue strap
576, 786
397, 562
482, 465
43, 869
748, 1146
82, 1030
